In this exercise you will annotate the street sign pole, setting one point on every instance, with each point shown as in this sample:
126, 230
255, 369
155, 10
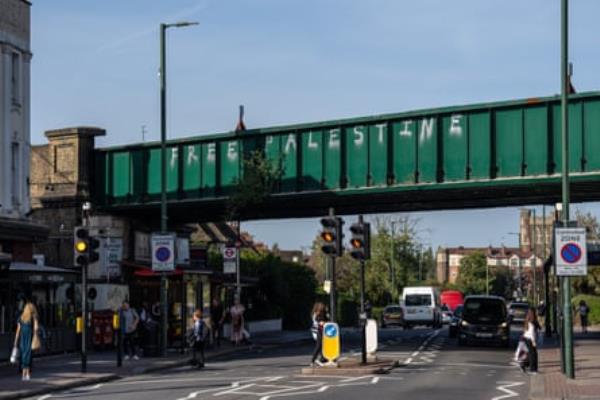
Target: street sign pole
566, 281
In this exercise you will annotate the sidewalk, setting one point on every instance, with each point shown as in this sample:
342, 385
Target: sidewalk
62, 372
552, 384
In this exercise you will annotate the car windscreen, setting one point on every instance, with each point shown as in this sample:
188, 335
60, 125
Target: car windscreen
458, 311
417, 300
393, 310
484, 311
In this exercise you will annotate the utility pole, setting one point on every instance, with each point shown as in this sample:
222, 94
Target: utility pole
566, 280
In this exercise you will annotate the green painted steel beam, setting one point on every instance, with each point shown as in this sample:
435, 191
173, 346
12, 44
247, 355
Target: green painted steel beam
421, 155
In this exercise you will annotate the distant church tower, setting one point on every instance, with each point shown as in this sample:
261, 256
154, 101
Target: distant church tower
15, 57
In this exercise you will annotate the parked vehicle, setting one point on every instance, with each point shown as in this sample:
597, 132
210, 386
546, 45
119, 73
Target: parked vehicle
484, 319
446, 314
517, 311
455, 321
421, 306
452, 298
392, 315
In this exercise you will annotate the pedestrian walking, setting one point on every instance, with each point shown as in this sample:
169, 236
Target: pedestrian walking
130, 323
197, 338
584, 311
26, 339
532, 327
237, 321
217, 317
319, 317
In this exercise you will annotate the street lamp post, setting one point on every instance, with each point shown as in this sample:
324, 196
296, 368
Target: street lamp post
163, 171
392, 251
566, 281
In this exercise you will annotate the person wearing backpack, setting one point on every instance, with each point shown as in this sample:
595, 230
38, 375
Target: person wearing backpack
197, 337
583, 311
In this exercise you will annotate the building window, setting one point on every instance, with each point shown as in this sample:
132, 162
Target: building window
15, 90
15, 172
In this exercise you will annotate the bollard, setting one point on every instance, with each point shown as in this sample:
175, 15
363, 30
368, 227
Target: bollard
117, 328
78, 325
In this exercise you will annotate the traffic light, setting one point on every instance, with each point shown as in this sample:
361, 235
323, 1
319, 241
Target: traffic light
360, 246
332, 236
82, 246
93, 251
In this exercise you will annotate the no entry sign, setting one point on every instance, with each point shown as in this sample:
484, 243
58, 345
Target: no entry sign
571, 252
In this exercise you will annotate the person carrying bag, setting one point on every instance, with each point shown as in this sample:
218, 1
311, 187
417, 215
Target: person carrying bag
27, 340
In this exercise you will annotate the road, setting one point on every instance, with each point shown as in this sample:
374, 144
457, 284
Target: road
431, 366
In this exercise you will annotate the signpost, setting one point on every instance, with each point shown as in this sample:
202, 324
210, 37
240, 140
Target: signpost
331, 342
163, 252
230, 260
571, 252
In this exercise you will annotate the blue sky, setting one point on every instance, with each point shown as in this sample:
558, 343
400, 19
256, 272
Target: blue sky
95, 63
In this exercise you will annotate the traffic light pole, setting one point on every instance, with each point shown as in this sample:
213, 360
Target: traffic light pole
363, 316
333, 292
83, 318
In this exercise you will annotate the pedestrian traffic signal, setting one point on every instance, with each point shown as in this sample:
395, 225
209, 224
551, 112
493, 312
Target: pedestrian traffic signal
331, 234
360, 248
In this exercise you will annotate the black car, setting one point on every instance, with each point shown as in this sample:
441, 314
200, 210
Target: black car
455, 321
518, 311
484, 320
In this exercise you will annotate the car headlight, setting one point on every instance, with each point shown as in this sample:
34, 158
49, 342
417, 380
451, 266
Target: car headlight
503, 325
464, 323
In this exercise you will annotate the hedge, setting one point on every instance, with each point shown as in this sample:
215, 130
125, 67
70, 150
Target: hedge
593, 303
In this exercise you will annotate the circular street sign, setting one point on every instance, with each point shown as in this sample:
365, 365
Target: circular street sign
571, 253
331, 331
163, 254
229, 252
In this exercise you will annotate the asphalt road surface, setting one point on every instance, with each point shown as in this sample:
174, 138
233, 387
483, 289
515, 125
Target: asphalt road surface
430, 366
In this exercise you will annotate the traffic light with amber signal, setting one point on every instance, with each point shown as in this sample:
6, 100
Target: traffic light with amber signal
331, 235
81, 245
360, 242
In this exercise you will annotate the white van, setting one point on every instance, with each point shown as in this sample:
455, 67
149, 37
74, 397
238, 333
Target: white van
421, 306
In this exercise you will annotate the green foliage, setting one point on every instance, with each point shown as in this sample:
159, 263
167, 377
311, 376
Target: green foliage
377, 313
285, 289
472, 277
348, 310
395, 259
259, 177
593, 303
589, 284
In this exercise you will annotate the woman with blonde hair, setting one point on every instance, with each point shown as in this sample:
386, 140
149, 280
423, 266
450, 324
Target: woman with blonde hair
26, 338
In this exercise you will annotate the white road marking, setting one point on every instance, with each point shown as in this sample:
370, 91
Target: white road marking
193, 395
503, 387
44, 397
234, 389
375, 380
273, 379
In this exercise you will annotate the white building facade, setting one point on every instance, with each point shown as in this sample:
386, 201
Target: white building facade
15, 58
